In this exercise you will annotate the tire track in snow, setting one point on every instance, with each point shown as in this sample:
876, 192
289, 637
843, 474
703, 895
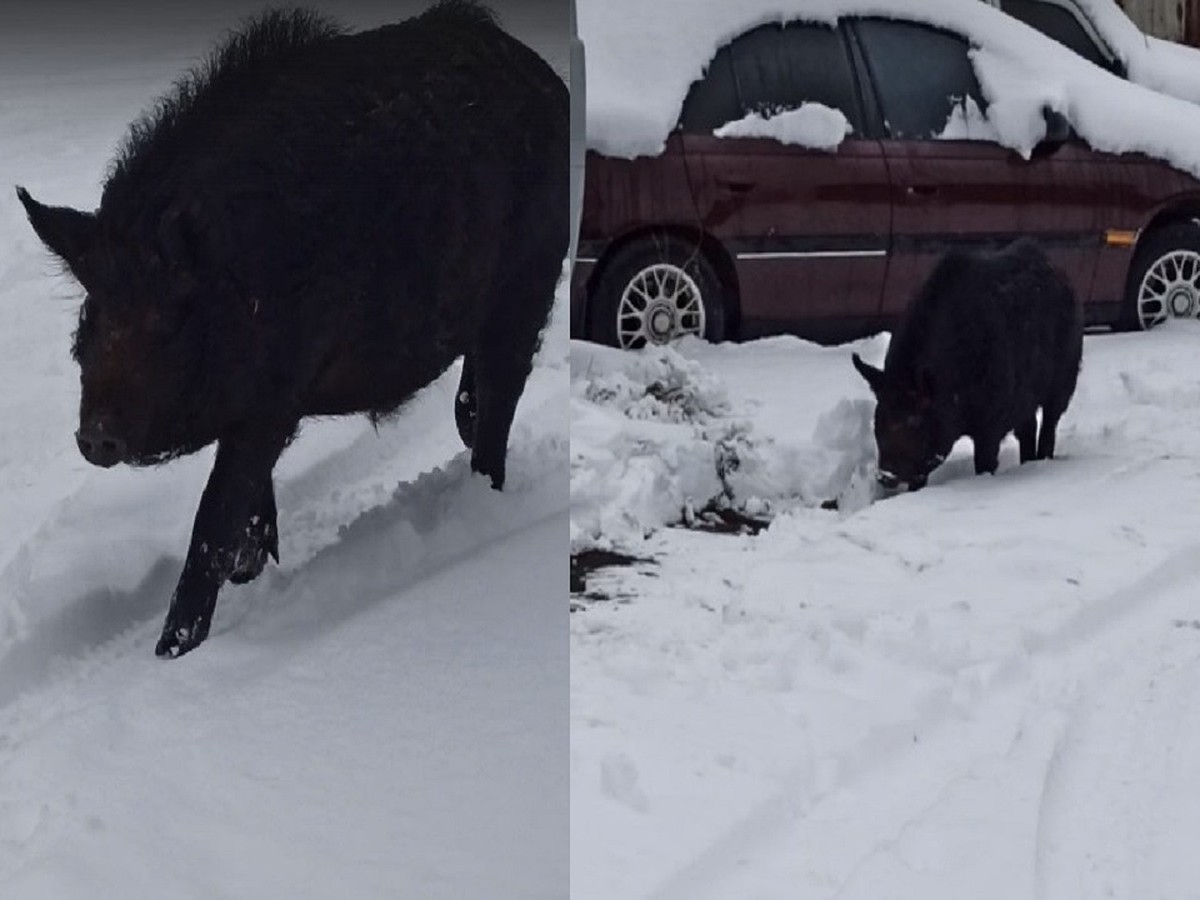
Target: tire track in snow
892, 753
1119, 798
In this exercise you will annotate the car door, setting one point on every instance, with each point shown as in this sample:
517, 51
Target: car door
807, 228
968, 190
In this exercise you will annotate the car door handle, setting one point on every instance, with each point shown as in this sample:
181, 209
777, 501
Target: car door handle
734, 187
921, 190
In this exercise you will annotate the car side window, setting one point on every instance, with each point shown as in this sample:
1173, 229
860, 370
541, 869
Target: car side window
1058, 23
918, 99
779, 68
712, 100
771, 69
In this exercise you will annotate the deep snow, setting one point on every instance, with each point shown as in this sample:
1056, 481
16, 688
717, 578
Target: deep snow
985, 689
384, 714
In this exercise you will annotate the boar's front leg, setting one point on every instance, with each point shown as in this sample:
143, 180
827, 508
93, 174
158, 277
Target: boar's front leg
258, 539
230, 524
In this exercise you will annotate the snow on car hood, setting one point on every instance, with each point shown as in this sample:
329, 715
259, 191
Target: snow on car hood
643, 57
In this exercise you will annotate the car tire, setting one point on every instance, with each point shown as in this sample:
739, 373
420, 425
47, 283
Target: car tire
1164, 281
655, 291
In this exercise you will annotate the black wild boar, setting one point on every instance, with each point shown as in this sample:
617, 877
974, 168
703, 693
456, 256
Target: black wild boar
990, 338
315, 223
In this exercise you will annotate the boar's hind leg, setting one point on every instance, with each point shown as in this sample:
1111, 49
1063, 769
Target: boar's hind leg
233, 497
1027, 437
987, 453
465, 404
503, 359
502, 372
1050, 417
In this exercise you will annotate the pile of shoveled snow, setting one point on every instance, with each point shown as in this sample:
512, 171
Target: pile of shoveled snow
654, 437
642, 58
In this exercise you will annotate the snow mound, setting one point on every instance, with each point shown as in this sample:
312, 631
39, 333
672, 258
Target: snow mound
811, 125
662, 387
654, 438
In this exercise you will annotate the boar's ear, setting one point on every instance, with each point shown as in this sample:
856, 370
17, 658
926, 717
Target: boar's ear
873, 375
68, 233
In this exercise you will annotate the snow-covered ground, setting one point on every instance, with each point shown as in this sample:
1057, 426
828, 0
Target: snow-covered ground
989, 688
384, 714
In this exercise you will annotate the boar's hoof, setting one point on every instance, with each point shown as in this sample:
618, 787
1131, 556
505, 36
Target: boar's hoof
493, 470
464, 417
177, 640
260, 541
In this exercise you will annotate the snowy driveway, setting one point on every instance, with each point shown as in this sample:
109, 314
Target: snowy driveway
985, 689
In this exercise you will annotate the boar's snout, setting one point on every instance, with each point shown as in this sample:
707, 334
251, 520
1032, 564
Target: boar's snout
100, 443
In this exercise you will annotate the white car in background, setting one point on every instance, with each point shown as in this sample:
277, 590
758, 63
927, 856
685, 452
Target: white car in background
1101, 32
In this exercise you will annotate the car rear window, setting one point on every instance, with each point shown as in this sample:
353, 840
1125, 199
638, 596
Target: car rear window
920, 75
772, 69
1058, 23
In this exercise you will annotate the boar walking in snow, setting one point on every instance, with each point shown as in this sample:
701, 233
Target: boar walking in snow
990, 338
315, 223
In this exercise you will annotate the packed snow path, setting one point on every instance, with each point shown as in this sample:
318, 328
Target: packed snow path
985, 689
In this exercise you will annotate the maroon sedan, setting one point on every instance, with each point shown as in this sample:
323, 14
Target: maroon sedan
734, 238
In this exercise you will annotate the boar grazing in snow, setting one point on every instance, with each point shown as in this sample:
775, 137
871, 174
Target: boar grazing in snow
315, 223
990, 338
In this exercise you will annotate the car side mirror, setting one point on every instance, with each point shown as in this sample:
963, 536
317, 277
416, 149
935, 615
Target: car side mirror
1058, 132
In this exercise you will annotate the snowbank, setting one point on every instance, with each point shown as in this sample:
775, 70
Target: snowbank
642, 59
653, 433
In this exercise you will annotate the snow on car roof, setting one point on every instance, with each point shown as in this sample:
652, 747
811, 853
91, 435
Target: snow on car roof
642, 58
1158, 64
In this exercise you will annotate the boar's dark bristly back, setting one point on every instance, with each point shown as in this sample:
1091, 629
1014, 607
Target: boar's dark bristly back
909, 340
462, 10
263, 40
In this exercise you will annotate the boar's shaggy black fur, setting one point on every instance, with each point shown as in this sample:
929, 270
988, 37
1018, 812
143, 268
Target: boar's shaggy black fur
990, 338
315, 222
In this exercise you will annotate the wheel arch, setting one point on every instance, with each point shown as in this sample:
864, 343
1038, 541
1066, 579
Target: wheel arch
1179, 211
713, 250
